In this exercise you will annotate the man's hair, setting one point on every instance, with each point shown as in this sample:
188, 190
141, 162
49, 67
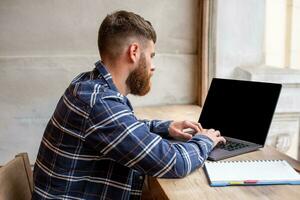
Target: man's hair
118, 28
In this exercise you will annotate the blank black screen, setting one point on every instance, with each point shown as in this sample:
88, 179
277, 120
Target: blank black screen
240, 109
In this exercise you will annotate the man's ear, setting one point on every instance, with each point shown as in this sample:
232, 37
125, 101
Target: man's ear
134, 52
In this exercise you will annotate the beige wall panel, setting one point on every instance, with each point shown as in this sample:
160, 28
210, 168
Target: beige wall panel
69, 27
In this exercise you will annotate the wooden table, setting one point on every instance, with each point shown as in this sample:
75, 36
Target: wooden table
195, 185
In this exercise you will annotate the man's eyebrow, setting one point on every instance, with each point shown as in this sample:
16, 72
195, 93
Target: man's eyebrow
152, 55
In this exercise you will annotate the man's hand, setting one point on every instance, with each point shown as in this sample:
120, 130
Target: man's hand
176, 129
214, 135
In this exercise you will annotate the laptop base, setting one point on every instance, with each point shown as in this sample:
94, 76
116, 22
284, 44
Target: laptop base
220, 154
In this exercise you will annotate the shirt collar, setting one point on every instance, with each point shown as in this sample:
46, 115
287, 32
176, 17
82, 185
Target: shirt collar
108, 78
106, 75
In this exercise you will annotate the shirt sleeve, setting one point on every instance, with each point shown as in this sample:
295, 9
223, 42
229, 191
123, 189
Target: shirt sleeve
116, 134
159, 127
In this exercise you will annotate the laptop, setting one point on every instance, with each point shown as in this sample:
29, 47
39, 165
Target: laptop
242, 111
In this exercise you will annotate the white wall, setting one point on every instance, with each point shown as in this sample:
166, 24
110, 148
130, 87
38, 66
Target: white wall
239, 35
44, 44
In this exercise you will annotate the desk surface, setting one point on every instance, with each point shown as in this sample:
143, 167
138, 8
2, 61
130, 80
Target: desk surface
195, 185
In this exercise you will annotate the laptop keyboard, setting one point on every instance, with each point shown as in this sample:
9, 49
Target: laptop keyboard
230, 145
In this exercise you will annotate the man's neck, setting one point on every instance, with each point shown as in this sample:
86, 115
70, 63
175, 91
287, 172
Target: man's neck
119, 75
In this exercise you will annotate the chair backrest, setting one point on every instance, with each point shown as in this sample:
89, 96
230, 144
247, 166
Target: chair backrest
16, 179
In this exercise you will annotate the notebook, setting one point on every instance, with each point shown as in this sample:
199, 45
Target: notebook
251, 172
242, 111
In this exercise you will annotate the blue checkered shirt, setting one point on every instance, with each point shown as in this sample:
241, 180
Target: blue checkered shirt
95, 148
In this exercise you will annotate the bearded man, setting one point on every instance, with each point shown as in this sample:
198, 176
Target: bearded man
93, 146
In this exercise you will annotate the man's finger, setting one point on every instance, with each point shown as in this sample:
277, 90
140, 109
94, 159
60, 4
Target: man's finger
217, 133
188, 124
199, 125
182, 135
221, 139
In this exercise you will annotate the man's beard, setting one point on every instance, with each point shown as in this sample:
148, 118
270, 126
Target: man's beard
138, 80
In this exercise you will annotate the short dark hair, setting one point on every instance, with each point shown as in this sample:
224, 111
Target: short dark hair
118, 27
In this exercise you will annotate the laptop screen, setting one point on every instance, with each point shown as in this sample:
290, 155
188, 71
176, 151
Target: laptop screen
240, 109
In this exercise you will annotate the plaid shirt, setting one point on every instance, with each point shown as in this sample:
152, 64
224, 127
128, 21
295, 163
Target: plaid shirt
95, 148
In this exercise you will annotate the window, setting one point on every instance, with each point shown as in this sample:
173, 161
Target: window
282, 34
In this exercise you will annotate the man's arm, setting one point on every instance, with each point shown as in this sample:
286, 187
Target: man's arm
116, 133
159, 127
174, 129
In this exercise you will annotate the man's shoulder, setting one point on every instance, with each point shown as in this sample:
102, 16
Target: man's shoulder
93, 90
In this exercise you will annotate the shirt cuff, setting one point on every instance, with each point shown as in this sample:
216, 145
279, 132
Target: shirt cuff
205, 139
163, 129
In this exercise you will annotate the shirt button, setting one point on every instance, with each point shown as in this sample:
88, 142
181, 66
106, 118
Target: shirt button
141, 177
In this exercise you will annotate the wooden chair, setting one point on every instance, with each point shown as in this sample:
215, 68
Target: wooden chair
16, 181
